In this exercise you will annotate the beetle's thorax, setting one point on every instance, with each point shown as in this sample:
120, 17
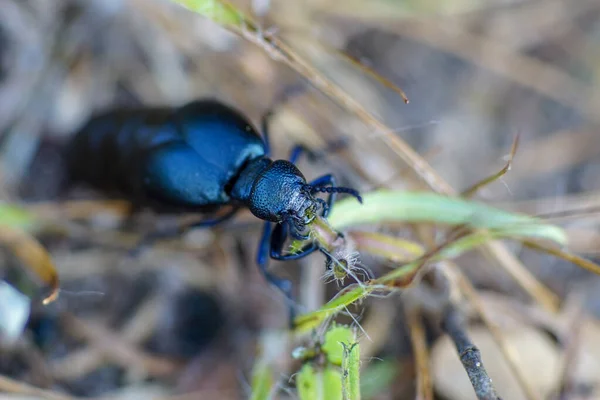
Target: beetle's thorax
274, 190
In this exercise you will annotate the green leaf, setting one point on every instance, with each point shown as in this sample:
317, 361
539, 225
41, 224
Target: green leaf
401, 206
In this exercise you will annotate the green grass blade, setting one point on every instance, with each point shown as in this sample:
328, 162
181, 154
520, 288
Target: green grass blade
313, 319
401, 206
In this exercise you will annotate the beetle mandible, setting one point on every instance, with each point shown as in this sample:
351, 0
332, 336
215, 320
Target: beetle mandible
200, 157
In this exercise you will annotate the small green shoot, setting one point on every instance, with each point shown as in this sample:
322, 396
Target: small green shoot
351, 371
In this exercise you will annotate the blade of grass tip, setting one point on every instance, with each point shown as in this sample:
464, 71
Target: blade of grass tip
486, 181
419, 346
33, 255
367, 70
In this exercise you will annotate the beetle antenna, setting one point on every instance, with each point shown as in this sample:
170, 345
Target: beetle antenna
336, 189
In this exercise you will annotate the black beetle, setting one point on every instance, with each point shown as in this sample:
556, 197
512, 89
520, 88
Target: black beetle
199, 157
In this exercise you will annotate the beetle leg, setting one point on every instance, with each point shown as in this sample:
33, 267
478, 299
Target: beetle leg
297, 152
284, 285
294, 232
278, 240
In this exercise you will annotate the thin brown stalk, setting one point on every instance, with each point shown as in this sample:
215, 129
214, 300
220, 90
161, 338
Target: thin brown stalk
573, 258
484, 182
419, 346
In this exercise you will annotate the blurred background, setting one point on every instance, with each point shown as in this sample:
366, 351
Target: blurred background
188, 315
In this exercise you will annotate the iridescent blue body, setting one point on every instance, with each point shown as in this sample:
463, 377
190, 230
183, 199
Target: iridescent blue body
200, 157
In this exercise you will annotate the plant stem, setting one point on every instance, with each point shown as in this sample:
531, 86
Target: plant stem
469, 354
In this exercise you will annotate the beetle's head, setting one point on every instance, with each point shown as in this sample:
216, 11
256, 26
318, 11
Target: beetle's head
281, 194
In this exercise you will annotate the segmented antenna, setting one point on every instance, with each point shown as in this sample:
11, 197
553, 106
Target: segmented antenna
334, 189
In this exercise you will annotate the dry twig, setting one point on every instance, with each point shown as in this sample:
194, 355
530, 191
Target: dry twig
470, 357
